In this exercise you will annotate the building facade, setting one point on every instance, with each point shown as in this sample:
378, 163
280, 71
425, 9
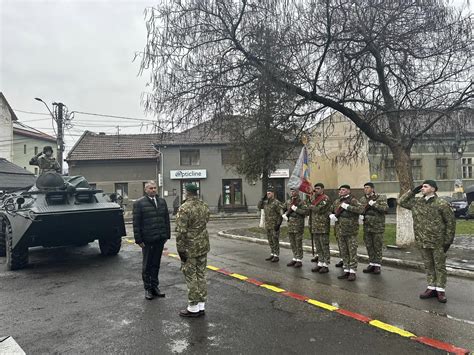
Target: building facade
124, 163
28, 142
7, 117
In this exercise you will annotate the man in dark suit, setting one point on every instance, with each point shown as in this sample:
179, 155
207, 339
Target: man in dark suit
151, 229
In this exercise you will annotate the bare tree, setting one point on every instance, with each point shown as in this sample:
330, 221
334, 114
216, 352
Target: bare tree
394, 68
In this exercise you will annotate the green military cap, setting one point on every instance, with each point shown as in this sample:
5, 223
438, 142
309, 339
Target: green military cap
191, 188
369, 184
270, 189
345, 186
432, 183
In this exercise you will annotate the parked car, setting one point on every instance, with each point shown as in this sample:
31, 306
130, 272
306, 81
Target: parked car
459, 208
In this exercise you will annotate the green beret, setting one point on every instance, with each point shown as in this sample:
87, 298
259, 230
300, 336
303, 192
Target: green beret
345, 186
191, 188
432, 183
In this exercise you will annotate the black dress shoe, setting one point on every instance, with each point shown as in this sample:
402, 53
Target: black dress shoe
149, 294
269, 258
156, 292
343, 276
315, 259
339, 264
369, 269
275, 259
186, 313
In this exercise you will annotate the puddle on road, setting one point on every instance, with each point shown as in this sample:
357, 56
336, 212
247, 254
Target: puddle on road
179, 346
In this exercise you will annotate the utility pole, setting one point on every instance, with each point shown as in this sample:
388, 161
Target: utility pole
60, 136
60, 119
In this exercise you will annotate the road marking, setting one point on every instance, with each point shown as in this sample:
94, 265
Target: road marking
240, 277
272, 288
391, 329
438, 344
322, 305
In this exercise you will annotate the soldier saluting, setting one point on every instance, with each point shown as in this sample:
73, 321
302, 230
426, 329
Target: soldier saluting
434, 226
272, 209
45, 161
375, 207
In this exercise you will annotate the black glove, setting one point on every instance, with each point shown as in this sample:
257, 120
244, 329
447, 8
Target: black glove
446, 247
183, 256
417, 189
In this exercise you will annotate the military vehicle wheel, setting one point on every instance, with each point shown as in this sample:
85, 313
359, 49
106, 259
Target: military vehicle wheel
110, 246
3, 249
17, 258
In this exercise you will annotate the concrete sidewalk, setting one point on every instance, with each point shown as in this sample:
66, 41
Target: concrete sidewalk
460, 261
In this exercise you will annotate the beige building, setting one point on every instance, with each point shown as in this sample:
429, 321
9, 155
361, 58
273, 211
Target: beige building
334, 161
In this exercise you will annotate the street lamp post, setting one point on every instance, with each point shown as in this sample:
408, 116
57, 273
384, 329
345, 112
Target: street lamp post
58, 118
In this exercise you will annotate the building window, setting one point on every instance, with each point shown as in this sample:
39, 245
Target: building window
232, 192
416, 169
121, 188
24, 148
230, 156
390, 173
36, 150
183, 187
189, 157
467, 168
441, 168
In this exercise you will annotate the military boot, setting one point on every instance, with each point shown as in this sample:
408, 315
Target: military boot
351, 277
269, 258
315, 259
376, 270
428, 294
291, 263
339, 264
316, 269
324, 270
369, 269
275, 259
442, 296
343, 276
298, 264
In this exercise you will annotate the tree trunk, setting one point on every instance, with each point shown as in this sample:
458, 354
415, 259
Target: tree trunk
405, 235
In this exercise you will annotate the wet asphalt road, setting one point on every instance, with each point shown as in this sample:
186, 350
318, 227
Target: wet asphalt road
72, 300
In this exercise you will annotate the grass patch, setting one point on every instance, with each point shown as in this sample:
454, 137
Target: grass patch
462, 227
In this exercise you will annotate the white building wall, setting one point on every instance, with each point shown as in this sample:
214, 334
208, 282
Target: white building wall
6, 131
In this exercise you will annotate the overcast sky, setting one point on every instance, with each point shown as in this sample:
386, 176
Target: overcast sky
79, 52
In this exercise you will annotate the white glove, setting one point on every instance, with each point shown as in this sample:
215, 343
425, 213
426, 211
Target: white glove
285, 217
333, 217
372, 202
361, 217
344, 205
294, 208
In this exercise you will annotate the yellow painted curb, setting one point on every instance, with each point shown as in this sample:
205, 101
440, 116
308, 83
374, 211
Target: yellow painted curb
322, 305
210, 267
240, 277
391, 328
173, 255
273, 288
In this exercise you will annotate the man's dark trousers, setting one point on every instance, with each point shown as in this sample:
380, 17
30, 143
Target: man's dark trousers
151, 263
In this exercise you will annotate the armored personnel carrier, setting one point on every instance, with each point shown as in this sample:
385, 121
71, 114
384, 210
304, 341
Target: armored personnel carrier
58, 211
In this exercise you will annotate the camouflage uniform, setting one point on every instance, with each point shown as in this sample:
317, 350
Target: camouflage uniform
45, 164
434, 226
296, 225
193, 239
320, 226
374, 226
347, 229
272, 209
